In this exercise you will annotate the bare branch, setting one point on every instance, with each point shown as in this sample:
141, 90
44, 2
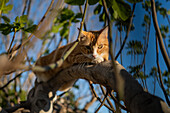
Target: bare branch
88, 104
12, 40
162, 48
127, 33
95, 94
102, 103
10, 81
108, 100
160, 76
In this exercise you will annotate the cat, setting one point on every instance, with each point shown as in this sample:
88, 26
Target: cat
93, 47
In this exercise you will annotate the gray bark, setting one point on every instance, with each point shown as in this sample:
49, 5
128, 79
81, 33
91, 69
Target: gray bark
134, 97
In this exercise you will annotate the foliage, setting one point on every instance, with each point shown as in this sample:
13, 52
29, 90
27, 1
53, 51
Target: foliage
64, 20
135, 47
4, 7
11, 96
19, 24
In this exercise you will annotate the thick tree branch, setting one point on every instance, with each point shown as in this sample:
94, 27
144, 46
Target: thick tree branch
162, 48
135, 98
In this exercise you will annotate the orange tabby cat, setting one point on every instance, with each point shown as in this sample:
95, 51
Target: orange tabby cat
93, 47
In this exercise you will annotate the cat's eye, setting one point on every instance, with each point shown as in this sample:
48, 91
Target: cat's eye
83, 37
100, 46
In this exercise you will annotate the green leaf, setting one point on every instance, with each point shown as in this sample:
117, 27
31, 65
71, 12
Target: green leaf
4, 26
92, 2
74, 2
17, 19
3, 1
7, 31
102, 17
78, 15
66, 14
168, 12
123, 9
23, 19
64, 32
97, 10
31, 29
134, 1
163, 12
7, 8
115, 14
55, 29
6, 19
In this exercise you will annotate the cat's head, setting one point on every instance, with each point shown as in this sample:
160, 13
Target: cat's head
95, 45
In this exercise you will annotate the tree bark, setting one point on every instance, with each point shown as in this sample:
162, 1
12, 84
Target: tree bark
134, 97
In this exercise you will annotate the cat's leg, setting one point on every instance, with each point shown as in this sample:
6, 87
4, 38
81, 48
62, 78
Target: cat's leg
79, 59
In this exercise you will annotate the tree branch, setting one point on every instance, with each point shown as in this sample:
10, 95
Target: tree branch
159, 72
10, 81
104, 74
12, 40
127, 33
135, 98
162, 48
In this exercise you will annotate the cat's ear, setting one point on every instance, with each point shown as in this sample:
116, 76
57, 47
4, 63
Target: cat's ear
82, 35
104, 32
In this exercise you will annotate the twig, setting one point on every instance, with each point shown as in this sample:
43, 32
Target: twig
29, 6
25, 104
160, 76
121, 45
50, 42
110, 30
88, 104
10, 81
127, 33
42, 19
145, 50
81, 11
12, 40
115, 100
102, 103
95, 94
156, 26
108, 100
25, 5
167, 18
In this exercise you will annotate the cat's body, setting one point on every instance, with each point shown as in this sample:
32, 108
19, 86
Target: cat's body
93, 47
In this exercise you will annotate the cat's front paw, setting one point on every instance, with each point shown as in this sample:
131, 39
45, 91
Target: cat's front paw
97, 60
